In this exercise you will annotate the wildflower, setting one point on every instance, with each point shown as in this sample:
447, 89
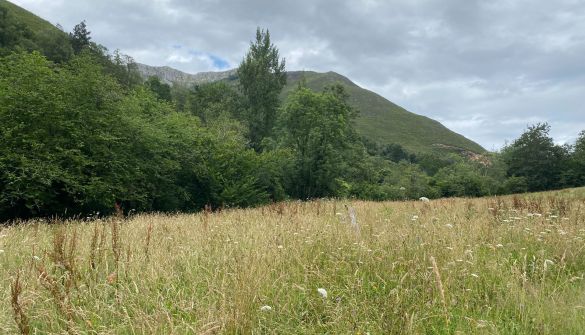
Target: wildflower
402, 188
265, 308
499, 245
322, 292
414, 217
424, 199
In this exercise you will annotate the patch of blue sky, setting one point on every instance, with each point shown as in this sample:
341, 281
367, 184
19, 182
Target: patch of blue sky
218, 62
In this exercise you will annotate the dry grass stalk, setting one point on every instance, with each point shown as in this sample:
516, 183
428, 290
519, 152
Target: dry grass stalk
441, 288
148, 237
19, 316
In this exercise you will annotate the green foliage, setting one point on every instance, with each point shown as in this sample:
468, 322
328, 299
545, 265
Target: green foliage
75, 143
261, 79
318, 127
578, 160
461, 179
80, 37
160, 89
535, 157
214, 101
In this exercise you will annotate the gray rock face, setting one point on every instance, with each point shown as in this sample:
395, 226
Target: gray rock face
173, 76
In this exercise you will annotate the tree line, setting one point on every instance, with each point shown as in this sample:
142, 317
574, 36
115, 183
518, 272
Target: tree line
81, 133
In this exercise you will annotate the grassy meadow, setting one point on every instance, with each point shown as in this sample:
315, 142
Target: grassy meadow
505, 265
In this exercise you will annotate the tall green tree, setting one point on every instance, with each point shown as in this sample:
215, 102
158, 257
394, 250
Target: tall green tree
261, 78
318, 126
535, 157
80, 37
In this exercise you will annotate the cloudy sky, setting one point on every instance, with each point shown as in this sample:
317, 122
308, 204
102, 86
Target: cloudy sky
485, 69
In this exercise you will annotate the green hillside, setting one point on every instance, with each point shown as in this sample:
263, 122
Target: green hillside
383, 121
33, 22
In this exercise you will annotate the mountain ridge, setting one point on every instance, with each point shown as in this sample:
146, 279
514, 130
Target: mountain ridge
380, 119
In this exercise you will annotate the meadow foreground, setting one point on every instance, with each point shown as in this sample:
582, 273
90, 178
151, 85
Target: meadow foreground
505, 265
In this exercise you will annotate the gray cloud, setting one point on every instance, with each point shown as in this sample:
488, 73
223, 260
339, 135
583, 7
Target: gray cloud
485, 69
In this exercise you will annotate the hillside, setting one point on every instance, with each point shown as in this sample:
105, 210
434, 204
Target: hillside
380, 120
385, 122
31, 21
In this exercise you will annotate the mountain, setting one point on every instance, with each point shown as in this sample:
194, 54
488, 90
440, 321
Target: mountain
173, 76
380, 120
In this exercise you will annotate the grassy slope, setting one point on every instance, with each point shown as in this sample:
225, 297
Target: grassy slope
35, 23
502, 270
385, 122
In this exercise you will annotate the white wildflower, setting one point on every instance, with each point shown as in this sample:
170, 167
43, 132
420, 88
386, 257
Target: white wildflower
402, 188
424, 199
499, 245
265, 308
414, 217
322, 292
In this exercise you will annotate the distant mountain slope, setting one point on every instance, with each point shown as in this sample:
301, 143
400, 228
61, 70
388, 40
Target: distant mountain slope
380, 120
385, 122
170, 75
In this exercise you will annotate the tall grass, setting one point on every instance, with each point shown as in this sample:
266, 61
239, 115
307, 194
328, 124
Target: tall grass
506, 265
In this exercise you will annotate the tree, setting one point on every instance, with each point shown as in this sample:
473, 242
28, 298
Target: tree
80, 37
318, 127
261, 78
535, 157
578, 161
212, 101
160, 89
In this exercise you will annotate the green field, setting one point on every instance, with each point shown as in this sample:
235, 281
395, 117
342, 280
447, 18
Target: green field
506, 265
